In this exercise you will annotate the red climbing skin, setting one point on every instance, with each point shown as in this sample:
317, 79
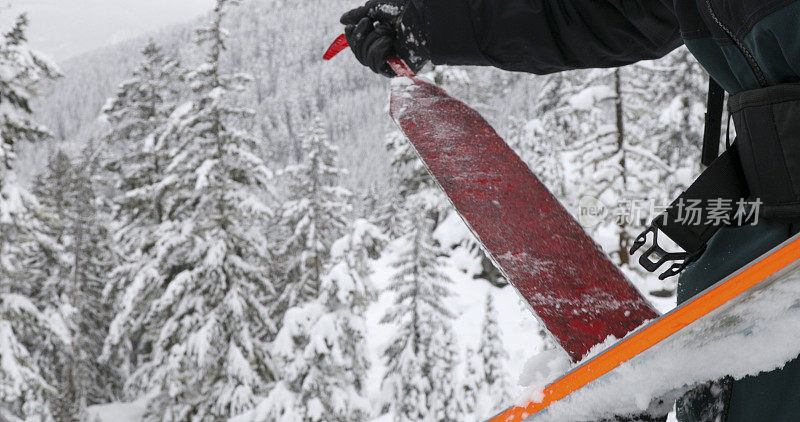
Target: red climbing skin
579, 294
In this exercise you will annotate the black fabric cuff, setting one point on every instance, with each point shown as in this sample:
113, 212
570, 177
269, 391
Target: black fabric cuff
413, 43
448, 29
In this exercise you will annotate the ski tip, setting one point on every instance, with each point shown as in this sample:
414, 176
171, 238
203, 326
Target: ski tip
339, 44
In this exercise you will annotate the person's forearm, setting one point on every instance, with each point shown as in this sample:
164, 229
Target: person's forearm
545, 36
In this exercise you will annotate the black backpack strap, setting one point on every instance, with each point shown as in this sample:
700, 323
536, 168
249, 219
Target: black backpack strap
716, 104
688, 220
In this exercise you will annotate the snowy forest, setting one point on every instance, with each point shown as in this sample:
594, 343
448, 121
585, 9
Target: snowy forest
210, 223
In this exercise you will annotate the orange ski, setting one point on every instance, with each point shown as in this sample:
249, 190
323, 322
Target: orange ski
762, 272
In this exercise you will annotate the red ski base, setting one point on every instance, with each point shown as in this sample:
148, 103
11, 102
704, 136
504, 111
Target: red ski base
577, 292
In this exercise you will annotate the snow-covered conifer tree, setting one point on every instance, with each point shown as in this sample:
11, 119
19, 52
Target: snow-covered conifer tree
668, 157
346, 293
24, 393
135, 114
629, 154
411, 177
315, 216
472, 385
322, 346
542, 141
45, 260
354, 251
616, 162
23, 71
446, 401
90, 248
383, 206
418, 317
389, 213
137, 156
493, 356
66, 262
23, 390
207, 357
676, 127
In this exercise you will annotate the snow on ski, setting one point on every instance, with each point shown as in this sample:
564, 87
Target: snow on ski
745, 324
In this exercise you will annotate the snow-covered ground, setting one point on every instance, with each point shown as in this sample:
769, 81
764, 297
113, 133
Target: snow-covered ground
118, 412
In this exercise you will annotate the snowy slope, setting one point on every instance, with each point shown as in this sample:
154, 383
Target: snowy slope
118, 412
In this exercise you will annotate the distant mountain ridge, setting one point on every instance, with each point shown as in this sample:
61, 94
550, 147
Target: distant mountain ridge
280, 45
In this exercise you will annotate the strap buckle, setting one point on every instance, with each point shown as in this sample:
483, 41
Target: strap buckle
656, 256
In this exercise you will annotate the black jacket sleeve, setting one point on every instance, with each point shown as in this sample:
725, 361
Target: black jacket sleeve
546, 36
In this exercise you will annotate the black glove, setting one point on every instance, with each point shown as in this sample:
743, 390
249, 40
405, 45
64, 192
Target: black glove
383, 28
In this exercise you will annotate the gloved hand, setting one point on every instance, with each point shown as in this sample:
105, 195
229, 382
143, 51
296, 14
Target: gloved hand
383, 28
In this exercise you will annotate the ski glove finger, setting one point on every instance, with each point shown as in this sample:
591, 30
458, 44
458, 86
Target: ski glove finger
356, 35
380, 46
385, 10
377, 10
352, 17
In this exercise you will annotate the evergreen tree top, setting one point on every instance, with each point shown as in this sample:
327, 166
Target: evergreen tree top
21, 71
144, 100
